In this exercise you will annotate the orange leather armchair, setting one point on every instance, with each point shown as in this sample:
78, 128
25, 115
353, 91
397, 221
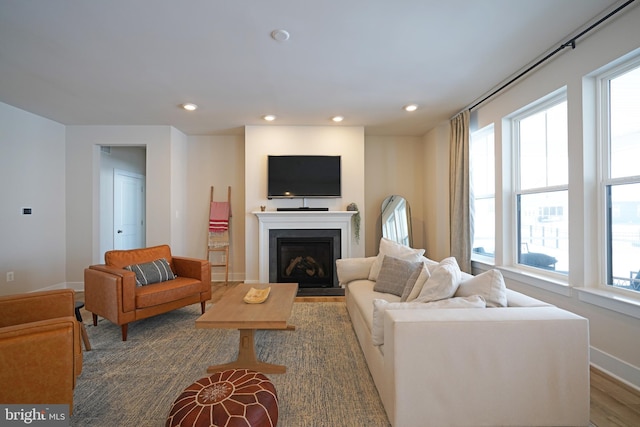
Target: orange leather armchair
111, 291
40, 350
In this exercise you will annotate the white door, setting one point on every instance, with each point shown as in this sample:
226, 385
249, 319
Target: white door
128, 210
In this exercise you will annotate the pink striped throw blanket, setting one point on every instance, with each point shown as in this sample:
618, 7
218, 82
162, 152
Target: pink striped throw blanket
219, 217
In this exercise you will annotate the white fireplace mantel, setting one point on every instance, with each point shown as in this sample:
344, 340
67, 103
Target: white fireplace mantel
292, 220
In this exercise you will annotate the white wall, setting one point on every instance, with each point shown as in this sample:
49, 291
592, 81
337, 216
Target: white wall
216, 161
83, 194
614, 334
32, 172
260, 141
179, 183
436, 194
393, 165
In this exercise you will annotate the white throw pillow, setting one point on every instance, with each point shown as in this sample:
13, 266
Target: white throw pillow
350, 269
423, 276
489, 284
396, 250
431, 264
380, 306
442, 283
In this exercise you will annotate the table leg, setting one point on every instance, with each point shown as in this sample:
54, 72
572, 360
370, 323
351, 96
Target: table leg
247, 357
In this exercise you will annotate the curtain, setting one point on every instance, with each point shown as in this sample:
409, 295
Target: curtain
460, 207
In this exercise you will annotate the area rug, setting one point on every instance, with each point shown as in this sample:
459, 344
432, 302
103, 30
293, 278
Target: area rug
134, 383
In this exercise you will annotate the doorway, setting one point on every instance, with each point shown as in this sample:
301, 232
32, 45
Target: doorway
128, 210
122, 197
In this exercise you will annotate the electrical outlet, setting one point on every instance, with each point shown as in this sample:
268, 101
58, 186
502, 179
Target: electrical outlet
10, 276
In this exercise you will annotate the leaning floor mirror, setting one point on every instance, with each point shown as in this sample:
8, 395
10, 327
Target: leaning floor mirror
396, 220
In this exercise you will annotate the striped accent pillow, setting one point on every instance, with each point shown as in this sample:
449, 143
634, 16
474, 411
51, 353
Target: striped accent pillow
152, 272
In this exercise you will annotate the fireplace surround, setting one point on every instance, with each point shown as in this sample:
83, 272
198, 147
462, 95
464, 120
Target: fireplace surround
302, 222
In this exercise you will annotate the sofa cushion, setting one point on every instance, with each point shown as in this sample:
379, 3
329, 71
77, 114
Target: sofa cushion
422, 276
489, 284
442, 283
380, 306
362, 294
155, 271
395, 275
391, 248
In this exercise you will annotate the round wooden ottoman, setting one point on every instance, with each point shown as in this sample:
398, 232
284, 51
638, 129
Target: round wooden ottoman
232, 398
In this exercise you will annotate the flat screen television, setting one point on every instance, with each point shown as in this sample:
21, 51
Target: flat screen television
303, 176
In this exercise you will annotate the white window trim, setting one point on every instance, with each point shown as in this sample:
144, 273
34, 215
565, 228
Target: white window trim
482, 133
539, 277
610, 299
605, 292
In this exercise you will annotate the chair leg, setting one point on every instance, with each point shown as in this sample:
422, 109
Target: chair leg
95, 319
85, 337
203, 304
124, 331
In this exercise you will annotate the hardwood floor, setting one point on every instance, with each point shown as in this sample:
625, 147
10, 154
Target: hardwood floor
613, 403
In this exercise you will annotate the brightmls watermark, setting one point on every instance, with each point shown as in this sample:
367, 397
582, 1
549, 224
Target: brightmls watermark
34, 415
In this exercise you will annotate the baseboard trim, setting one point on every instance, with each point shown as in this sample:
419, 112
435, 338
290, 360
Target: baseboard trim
76, 286
616, 368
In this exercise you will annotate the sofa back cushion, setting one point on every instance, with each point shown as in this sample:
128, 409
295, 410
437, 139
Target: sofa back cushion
122, 258
391, 248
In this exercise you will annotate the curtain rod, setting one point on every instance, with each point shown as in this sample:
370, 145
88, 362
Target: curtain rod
571, 42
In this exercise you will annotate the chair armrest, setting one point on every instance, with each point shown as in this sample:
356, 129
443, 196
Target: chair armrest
193, 268
40, 361
105, 285
31, 307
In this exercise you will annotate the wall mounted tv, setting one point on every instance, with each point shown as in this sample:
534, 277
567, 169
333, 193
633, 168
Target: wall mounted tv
303, 176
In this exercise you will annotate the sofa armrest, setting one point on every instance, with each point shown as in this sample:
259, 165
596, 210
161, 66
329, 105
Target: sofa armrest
193, 268
31, 307
499, 366
104, 285
350, 269
40, 361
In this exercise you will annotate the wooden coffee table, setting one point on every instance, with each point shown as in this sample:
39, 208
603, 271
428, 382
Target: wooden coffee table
231, 312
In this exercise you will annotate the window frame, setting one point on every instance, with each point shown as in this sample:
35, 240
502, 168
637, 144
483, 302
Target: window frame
483, 133
605, 182
545, 103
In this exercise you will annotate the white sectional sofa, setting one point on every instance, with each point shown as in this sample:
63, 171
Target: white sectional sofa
523, 364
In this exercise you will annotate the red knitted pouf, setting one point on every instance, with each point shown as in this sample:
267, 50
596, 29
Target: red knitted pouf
233, 398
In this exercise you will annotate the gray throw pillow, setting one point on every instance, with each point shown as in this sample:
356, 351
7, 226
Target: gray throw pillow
152, 272
394, 275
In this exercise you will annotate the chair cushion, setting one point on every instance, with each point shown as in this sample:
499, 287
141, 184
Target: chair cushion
169, 291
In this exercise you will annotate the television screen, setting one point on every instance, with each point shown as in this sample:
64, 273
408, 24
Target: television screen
303, 176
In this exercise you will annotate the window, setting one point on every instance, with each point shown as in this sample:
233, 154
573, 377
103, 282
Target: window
482, 178
541, 187
620, 109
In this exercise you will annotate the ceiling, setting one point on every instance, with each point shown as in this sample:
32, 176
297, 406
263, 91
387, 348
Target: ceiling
123, 62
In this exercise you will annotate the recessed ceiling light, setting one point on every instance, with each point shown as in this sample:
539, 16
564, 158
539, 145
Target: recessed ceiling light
337, 119
280, 35
189, 106
410, 107
269, 117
